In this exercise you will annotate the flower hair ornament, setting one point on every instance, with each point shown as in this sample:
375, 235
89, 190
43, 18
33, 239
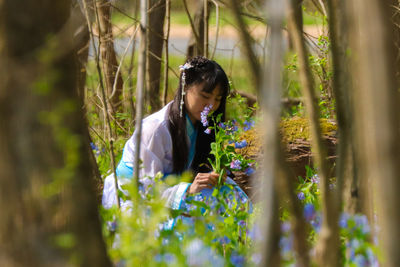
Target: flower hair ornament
183, 68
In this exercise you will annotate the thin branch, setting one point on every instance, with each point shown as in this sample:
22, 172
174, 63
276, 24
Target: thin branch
140, 87
104, 100
205, 19
216, 26
166, 41
121, 61
247, 44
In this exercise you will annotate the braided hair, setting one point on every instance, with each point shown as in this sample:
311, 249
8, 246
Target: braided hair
197, 70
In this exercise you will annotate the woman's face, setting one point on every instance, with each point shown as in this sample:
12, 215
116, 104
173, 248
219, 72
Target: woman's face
196, 99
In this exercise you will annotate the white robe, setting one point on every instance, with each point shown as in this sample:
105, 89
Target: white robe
156, 156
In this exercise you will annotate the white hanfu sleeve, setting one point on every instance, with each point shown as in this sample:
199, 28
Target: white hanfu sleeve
156, 156
154, 152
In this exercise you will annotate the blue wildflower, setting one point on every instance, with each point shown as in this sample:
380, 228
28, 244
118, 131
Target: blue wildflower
93, 146
360, 261
301, 196
248, 124
224, 240
237, 260
169, 258
204, 115
242, 223
241, 144
286, 244
211, 226
112, 226
362, 222
236, 164
198, 254
255, 233
309, 211
285, 227
249, 171
344, 217
158, 258
316, 223
208, 131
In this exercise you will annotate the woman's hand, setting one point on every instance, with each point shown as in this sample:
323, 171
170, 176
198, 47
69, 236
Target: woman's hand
203, 180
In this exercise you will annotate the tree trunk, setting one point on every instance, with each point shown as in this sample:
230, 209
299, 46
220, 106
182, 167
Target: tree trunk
339, 41
195, 45
81, 51
328, 247
108, 55
271, 109
49, 212
155, 42
394, 7
377, 117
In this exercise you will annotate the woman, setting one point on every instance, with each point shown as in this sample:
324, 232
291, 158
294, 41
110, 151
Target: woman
174, 140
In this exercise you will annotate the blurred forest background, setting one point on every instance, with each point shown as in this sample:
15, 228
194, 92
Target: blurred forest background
321, 78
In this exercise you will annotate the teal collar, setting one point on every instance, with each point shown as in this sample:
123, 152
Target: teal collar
192, 134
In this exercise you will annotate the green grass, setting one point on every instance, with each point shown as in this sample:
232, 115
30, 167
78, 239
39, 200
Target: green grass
179, 17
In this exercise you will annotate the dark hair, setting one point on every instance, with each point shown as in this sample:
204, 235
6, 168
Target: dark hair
198, 70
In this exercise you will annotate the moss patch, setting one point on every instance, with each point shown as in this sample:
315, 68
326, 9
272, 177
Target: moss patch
298, 128
292, 130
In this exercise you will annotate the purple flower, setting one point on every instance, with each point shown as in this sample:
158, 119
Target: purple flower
309, 212
332, 186
256, 258
204, 115
236, 164
249, 171
248, 124
185, 67
301, 196
285, 227
242, 223
221, 125
208, 131
315, 179
241, 144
